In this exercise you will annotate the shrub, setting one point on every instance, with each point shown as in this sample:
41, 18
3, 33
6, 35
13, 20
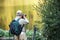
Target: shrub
4, 33
1, 33
30, 35
7, 34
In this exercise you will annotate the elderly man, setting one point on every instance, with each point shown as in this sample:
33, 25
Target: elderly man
23, 21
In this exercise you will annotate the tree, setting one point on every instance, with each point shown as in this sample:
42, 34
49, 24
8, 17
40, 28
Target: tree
50, 11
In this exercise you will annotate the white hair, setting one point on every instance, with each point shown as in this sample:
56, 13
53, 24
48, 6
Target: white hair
19, 12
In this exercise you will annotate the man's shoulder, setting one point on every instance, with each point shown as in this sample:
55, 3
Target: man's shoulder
16, 18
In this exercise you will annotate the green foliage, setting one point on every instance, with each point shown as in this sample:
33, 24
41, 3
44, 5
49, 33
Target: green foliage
8, 34
1, 32
4, 33
50, 11
30, 35
2, 24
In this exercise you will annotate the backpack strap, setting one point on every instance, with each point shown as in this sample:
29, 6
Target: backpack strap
18, 19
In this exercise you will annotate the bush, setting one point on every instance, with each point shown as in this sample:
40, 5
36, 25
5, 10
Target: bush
7, 34
1, 33
4, 33
30, 35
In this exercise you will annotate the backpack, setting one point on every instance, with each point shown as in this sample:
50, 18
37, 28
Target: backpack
15, 27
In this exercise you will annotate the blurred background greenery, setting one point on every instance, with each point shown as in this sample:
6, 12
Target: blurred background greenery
8, 10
